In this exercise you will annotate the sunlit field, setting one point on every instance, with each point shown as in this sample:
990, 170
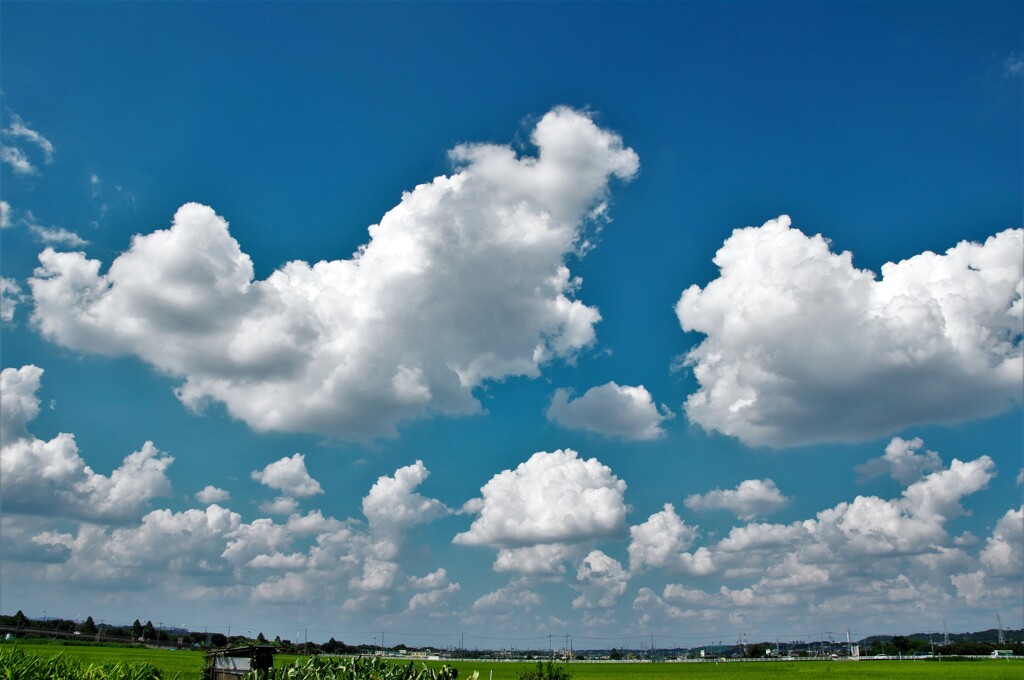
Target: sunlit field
187, 665
981, 669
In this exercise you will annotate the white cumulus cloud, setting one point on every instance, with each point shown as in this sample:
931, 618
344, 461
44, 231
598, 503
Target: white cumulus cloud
901, 461
663, 541
601, 581
611, 410
393, 504
464, 281
1001, 563
515, 595
802, 347
551, 498
50, 478
210, 494
5, 214
18, 389
290, 476
281, 505
752, 498
435, 602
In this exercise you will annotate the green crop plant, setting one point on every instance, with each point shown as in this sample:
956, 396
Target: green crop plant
16, 664
358, 668
549, 671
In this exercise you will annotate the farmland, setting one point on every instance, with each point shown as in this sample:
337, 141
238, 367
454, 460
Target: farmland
187, 665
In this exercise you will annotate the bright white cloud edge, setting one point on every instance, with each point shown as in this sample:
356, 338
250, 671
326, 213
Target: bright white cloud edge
801, 347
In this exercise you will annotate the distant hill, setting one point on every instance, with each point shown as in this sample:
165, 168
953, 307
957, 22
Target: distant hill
990, 636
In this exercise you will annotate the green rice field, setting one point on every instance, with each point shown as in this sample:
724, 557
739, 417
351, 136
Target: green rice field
187, 665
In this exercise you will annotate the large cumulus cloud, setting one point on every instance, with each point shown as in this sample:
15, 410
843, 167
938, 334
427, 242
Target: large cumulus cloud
802, 347
464, 281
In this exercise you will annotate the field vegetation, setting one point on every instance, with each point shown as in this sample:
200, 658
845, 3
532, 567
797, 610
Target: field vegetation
29, 661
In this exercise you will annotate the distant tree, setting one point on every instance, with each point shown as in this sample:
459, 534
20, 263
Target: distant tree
136, 629
219, 640
20, 619
148, 631
88, 628
260, 639
615, 655
755, 651
900, 644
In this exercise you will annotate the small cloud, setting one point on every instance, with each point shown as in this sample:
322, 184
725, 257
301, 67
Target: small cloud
58, 236
290, 476
1013, 67
5, 214
211, 494
17, 159
19, 130
611, 410
282, 505
15, 156
901, 461
1020, 477
752, 498
10, 296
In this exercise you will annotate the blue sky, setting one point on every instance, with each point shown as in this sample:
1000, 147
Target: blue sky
546, 181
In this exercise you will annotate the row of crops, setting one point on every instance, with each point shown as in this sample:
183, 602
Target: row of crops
364, 668
357, 668
16, 664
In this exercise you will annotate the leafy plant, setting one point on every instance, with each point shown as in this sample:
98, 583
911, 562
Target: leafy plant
15, 664
548, 671
358, 668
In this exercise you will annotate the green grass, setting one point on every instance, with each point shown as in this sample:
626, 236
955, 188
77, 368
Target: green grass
188, 665
860, 670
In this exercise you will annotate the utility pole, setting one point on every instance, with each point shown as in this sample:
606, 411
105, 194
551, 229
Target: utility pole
551, 648
652, 646
945, 634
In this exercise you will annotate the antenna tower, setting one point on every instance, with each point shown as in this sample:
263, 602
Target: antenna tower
999, 629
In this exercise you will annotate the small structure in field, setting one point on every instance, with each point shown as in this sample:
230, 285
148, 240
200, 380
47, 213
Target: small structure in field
231, 664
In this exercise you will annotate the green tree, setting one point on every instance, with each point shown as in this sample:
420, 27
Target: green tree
260, 639
136, 629
20, 619
148, 631
88, 628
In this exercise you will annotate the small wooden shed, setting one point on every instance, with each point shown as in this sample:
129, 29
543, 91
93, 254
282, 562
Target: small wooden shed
231, 664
